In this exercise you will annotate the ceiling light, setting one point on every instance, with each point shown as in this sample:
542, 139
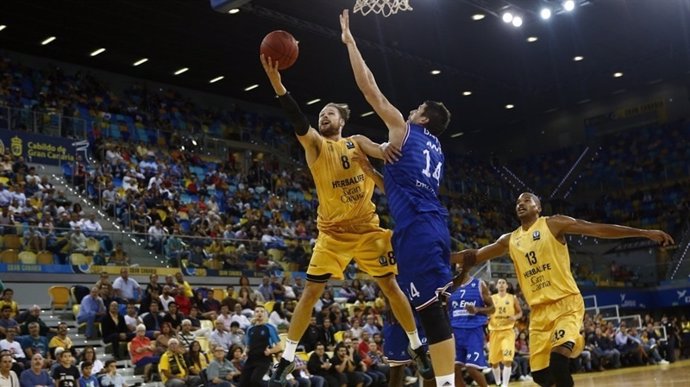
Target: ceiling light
182, 70
510, 106
2, 27
545, 13
216, 79
517, 21
532, 39
578, 58
252, 87
466, 93
140, 62
458, 134
435, 72
617, 74
478, 16
48, 40
366, 114
234, 11
569, 5
99, 51
507, 17
313, 101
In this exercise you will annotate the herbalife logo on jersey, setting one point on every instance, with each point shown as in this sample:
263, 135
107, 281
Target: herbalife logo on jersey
350, 145
536, 235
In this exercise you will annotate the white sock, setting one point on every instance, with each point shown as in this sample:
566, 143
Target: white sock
414, 339
290, 348
497, 374
445, 381
506, 375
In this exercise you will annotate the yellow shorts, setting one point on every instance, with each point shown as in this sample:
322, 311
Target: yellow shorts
501, 346
368, 244
555, 324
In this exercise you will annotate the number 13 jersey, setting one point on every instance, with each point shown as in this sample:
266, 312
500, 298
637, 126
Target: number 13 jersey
542, 264
412, 183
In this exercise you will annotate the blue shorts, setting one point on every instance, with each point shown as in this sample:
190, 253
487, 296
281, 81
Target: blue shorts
469, 347
422, 250
395, 342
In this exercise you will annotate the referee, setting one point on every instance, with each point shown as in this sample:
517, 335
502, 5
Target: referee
261, 342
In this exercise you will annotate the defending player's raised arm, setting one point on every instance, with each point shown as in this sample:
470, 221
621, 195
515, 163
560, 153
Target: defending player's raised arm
561, 225
366, 82
472, 257
307, 136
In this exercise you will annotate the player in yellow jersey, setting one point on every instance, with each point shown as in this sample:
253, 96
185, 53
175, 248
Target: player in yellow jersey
540, 254
347, 222
502, 332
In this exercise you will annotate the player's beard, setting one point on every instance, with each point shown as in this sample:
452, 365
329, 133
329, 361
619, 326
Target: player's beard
330, 130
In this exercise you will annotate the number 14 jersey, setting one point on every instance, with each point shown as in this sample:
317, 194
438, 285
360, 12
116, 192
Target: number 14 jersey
542, 264
412, 183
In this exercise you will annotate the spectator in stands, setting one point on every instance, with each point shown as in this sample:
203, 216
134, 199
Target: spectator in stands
105, 288
370, 326
176, 250
345, 365
156, 236
34, 238
110, 376
278, 289
173, 316
14, 347
36, 375
651, 351
220, 371
236, 335
606, 349
186, 335
142, 352
225, 317
247, 299
34, 343
184, 304
34, 315
77, 241
220, 337
163, 339
7, 376
629, 349
118, 256
153, 319
127, 288
5, 201
320, 365
173, 369
65, 374
7, 300
87, 379
91, 309
196, 359
240, 318
183, 285
265, 288
6, 321
210, 305
166, 297
88, 355
356, 329
61, 340
114, 329
131, 317
311, 336
521, 358
327, 333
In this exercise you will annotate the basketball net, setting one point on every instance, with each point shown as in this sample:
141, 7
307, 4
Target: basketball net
383, 7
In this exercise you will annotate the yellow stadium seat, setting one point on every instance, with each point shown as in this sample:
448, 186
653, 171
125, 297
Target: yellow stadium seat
276, 254
75, 310
59, 297
27, 258
303, 356
9, 256
219, 293
45, 258
338, 336
206, 324
203, 342
12, 241
268, 305
93, 245
79, 259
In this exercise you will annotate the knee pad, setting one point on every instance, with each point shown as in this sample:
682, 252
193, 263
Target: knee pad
559, 367
542, 377
436, 323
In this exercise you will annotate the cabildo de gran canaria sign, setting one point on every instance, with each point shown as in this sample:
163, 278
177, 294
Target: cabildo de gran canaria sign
37, 148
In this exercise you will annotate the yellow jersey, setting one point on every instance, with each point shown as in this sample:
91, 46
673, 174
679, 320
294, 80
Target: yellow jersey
542, 264
505, 308
344, 190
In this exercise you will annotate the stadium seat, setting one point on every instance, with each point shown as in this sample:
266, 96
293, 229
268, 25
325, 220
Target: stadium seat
303, 356
9, 256
93, 245
79, 259
268, 305
27, 258
338, 336
59, 297
219, 293
206, 324
203, 342
45, 258
12, 241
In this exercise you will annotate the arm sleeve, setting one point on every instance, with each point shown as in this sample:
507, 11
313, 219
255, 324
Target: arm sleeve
213, 370
294, 113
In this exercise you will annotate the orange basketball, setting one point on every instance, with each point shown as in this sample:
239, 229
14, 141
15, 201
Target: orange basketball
280, 46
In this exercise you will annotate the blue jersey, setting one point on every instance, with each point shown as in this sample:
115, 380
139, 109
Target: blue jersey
468, 294
412, 183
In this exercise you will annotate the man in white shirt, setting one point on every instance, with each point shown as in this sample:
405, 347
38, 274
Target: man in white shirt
167, 297
9, 344
5, 196
125, 287
157, 236
91, 227
7, 377
225, 317
238, 317
220, 338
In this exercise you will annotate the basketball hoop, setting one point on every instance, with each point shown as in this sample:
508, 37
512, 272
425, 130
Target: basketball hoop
383, 7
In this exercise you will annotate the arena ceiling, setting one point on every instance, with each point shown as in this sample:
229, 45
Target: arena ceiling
645, 40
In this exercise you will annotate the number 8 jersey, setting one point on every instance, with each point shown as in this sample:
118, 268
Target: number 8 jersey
542, 264
412, 183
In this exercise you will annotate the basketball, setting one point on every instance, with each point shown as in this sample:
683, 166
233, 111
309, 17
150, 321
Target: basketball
280, 46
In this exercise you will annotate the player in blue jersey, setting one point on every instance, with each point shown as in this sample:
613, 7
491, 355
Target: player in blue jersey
421, 239
469, 305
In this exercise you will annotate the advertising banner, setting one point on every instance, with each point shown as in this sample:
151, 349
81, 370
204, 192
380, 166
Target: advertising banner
36, 148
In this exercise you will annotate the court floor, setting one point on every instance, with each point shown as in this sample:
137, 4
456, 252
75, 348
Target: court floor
671, 375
